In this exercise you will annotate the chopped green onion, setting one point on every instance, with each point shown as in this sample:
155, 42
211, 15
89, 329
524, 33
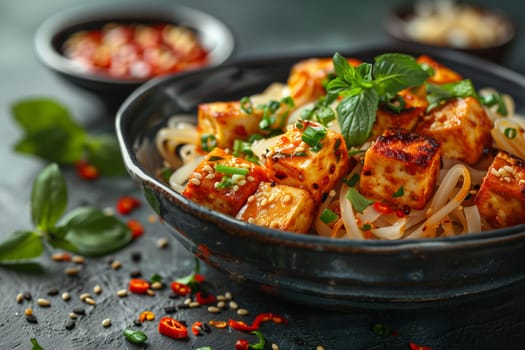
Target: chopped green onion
312, 136
208, 142
231, 170
495, 99
215, 158
244, 149
510, 133
328, 216
366, 227
352, 181
397, 104
225, 182
325, 115
359, 202
246, 105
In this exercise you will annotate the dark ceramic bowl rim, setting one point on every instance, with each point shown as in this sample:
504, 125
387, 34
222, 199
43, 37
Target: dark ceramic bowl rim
397, 18
92, 13
313, 241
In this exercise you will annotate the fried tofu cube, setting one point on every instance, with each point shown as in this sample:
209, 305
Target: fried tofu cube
401, 167
313, 167
307, 77
227, 121
279, 207
442, 74
461, 126
501, 197
223, 182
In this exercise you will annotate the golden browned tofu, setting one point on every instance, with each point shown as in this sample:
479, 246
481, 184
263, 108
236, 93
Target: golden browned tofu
401, 167
501, 197
462, 128
316, 167
442, 74
307, 77
279, 207
227, 121
223, 182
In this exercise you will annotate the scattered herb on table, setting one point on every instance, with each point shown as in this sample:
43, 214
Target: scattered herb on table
36, 346
85, 230
134, 336
52, 134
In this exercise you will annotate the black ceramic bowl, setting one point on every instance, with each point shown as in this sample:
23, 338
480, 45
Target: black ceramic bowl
397, 27
309, 269
215, 37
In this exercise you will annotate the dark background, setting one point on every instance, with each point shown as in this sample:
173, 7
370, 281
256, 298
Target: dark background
261, 28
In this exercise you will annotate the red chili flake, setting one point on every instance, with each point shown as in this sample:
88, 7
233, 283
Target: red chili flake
196, 328
180, 288
136, 228
86, 171
414, 346
204, 298
382, 208
127, 204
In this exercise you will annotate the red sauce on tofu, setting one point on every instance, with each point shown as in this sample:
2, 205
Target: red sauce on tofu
136, 50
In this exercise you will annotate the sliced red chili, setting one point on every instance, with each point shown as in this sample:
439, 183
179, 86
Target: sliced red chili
414, 346
241, 326
204, 298
86, 171
172, 328
382, 208
138, 286
180, 288
196, 328
264, 317
136, 228
127, 204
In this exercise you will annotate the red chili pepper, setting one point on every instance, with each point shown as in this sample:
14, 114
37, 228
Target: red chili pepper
199, 278
172, 328
196, 328
241, 326
138, 286
400, 213
241, 344
180, 288
86, 171
127, 204
264, 317
382, 208
205, 298
414, 346
136, 228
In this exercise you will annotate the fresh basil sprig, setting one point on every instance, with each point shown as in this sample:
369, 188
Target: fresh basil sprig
52, 134
363, 87
86, 231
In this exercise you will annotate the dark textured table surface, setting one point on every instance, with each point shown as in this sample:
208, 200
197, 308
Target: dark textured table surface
261, 28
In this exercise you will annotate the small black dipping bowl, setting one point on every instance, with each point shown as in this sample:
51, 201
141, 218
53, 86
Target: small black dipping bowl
53, 32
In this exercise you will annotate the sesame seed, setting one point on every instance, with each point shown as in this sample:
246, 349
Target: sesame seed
43, 302
78, 259
207, 168
319, 347
57, 257
28, 311
79, 311
187, 301
299, 149
194, 304
494, 172
210, 176
287, 199
228, 296
115, 265
263, 202
106, 322
235, 188
152, 218
97, 289
72, 271
73, 316
150, 292
275, 347
233, 305
66, 296
214, 309
90, 301
251, 220
242, 312
242, 182
250, 178
197, 175
84, 296
221, 297
195, 181
156, 285
122, 293
221, 304
19, 298
162, 243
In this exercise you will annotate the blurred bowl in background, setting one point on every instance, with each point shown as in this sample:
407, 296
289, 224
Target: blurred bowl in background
109, 26
484, 32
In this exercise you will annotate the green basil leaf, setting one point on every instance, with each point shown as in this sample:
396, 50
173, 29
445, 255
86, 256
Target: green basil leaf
57, 240
134, 336
356, 116
48, 197
436, 94
21, 245
104, 153
343, 69
395, 72
94, 233
50, 132
35, 344
335, 86
359, 202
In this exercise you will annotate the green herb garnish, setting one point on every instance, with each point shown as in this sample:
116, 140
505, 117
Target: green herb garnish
321, 111
437, 94
208, 142
231, 170
495, 99
52, 134
363, 87
134, 336
328, 216
359, 202
246, 105
313, 135
400, 191
86, 231
244, 149
35, 344
510, 133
